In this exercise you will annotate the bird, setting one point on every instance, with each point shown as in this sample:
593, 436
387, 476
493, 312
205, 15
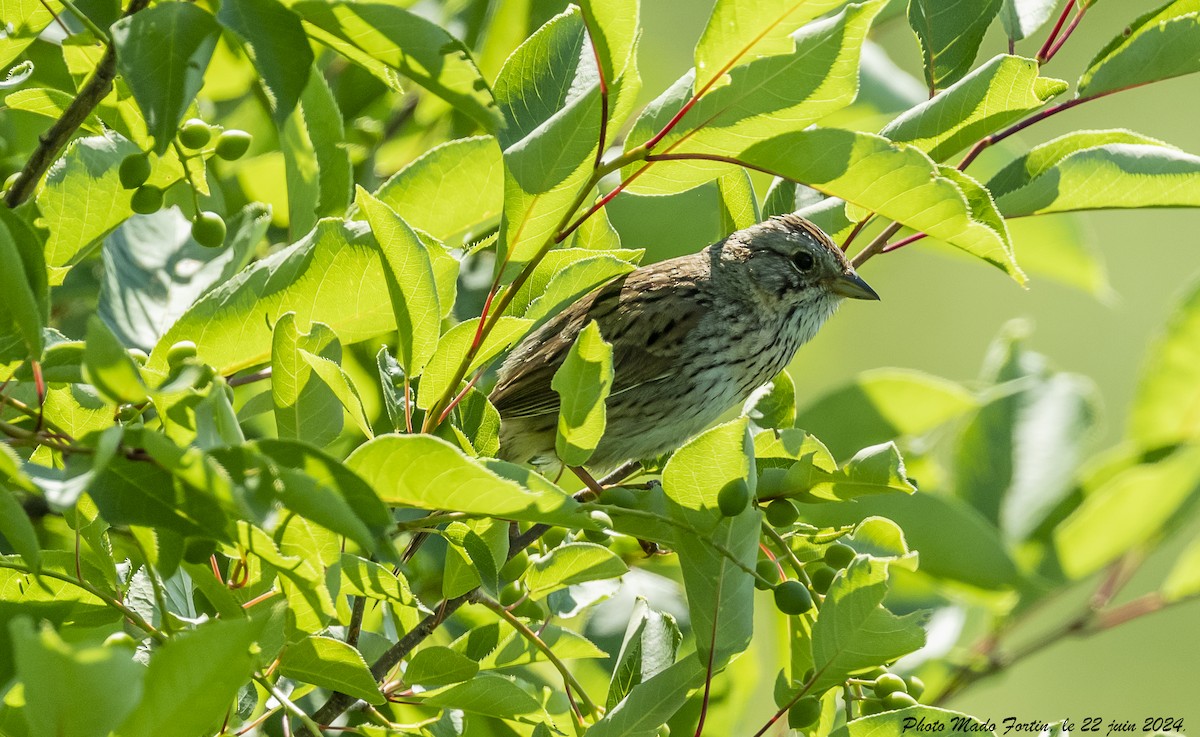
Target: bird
691, 337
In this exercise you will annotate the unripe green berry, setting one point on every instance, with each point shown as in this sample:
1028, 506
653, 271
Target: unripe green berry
618, 496
233, 144
598, 537
839, 555
180, 352
120, 639
898, 700
769, 570
804, 712
734, 497
134, 170
889, 683
782, 513
793, 597
663, 731
821, 578
870, 707
915, 686
146, 200
529, 609
137, 354
511, 594
554, 537
194, 133
515, 566
600, 517
208, 229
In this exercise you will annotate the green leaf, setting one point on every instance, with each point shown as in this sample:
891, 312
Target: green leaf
316, 163
582, 383
387, 39
950, 34
464, 165
154, 270
1021, 18
651, 640
305, 406
571, 564
773, 405
739, 206
82, 199
310, 606
1159, 45
475, 552
720, 590
487, 694
334, 275
886, 404
331, 664
1184, 579
319, 468
29, 19
946, 722
1016, 459
613, 29
17, 529
109, 367
104, 683
361, 577
769, 96
411, 284
1167, 406
1073, 173
1125, 511
162, 54
896, 181
515, 649
342, 386
275, 39
740, 30
453, 349
998, 92
566, 274
439, 666
17, 296
193, 678
652, 702
954, 540
853, 631
549, 95
983, 210
428, 473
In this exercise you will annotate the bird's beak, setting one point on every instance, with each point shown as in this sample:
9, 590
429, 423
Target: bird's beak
851, 285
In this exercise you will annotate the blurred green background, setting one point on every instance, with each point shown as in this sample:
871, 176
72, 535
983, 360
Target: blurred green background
940, 312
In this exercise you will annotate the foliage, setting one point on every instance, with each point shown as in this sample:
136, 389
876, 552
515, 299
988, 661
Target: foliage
219, 451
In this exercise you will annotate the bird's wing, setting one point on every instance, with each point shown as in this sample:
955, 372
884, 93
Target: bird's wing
631, 303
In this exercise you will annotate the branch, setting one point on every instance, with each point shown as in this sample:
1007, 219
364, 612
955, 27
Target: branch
1042, 55
52, 142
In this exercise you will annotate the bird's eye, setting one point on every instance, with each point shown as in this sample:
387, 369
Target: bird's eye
803, 261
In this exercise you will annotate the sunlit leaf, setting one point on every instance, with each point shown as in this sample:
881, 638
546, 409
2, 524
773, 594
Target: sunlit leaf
452, 350
1159, 45
994, 94
387, 39
331, 664
898, 182
277, 44
854, 631
651, 641
1021, 18
316, 165
582, 383
162, 53
950, 34
571, 564
1167, 407
429, 473
305, 406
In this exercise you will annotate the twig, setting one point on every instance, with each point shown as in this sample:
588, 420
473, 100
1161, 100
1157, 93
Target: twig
52, 142
569, 680
249, 378
306, 720
876, 245
1062, 18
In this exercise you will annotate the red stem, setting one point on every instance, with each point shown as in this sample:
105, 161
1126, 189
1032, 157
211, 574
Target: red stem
995, 138
603, 98
1067, 33
902, 242
1042, 53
